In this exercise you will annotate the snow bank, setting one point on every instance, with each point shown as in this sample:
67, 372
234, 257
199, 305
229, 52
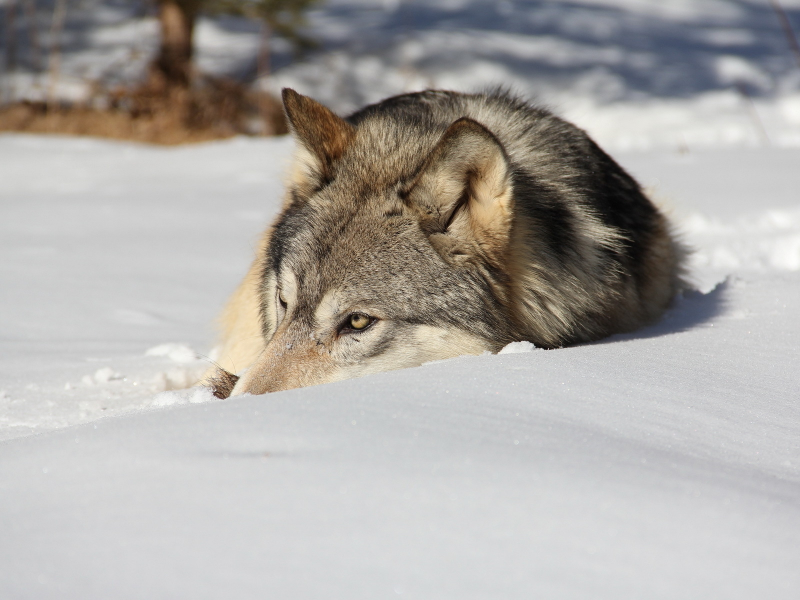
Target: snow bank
635, 74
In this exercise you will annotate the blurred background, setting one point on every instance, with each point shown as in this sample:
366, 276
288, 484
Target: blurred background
635, 73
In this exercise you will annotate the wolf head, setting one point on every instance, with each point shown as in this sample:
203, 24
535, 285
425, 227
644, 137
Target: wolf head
390, 250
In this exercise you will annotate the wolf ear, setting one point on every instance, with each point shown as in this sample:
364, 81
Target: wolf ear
321, 135
465, 188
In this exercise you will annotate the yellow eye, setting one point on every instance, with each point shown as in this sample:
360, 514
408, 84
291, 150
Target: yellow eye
359, 321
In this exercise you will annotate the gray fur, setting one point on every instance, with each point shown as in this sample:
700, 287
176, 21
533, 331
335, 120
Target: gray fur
400, 207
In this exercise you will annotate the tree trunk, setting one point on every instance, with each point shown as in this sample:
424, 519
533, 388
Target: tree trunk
263, 66
33, 34
57, 25
11, 35
173, 65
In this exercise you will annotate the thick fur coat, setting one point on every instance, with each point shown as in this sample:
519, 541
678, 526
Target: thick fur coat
436, 224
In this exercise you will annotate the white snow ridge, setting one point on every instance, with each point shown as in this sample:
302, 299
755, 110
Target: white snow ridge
664, 463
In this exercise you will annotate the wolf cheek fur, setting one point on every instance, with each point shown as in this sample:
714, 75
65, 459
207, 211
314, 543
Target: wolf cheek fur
437, 224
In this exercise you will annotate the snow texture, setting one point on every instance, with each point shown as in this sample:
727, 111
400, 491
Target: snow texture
664, 463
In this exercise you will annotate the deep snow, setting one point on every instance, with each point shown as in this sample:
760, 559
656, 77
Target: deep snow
655, 467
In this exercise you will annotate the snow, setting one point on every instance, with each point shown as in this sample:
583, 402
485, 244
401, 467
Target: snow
659, 464
518, 348
179, 353
118, 256
662, 464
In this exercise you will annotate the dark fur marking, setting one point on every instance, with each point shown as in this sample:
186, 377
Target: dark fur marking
541, 204
222, 383
457, 208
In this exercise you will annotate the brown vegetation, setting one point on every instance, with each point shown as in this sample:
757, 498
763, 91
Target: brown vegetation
175, 103
212, 109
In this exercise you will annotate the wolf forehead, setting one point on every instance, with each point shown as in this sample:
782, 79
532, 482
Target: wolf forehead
331, 243
374, 259
354, 209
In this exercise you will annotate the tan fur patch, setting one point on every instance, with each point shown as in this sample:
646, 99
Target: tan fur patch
240, 321
430, 343
328, 309
301, 362
303, 173
663, 272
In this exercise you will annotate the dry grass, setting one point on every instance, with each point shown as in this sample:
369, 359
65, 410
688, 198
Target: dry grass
216, 109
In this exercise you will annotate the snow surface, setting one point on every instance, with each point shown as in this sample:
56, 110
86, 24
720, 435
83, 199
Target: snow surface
659, 464
111, 251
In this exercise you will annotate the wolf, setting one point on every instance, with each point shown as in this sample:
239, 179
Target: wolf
436, 224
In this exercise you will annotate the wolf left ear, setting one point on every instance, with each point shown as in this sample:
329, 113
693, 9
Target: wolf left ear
322, 136
465, 187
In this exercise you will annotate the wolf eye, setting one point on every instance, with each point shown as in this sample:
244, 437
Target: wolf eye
356, 322
359, 321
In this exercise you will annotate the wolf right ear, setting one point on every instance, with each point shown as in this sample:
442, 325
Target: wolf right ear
464, 189
322, 136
